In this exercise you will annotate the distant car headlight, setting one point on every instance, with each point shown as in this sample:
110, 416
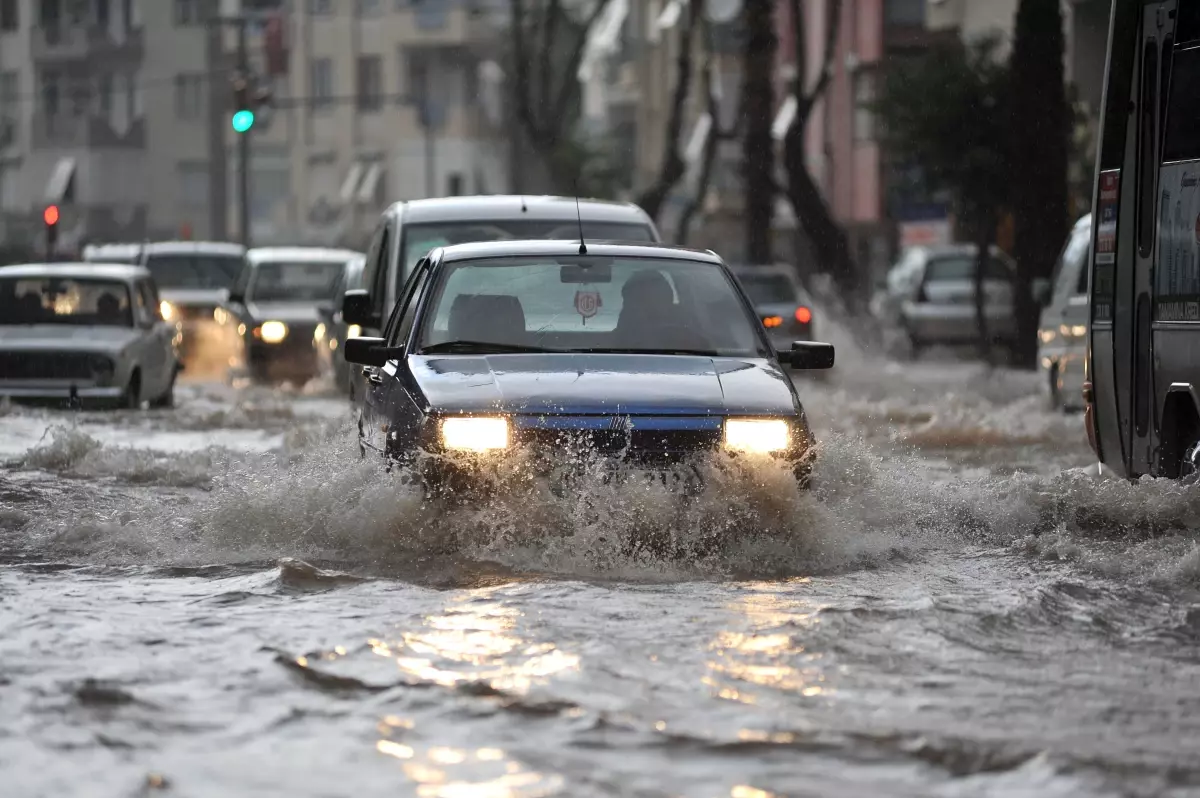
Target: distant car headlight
475, 434
1047, 336
167, 310
272, 332
354, 331
757, 436
319, 334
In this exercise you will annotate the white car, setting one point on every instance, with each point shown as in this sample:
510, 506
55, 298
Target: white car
1062, 334
85, 332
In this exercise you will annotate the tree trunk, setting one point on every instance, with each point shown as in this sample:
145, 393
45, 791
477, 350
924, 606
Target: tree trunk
709, 155
758, 109
1041, 122
672, 168
985, 230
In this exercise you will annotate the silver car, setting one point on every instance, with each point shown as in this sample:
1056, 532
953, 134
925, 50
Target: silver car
930, 296
85, 332
1062, 334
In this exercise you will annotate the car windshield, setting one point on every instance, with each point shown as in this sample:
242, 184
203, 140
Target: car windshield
765, 289
295, 281
962, 267
196, 271
420, 238
588, 304
55, 300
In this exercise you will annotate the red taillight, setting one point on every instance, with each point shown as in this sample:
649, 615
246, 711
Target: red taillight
803, 315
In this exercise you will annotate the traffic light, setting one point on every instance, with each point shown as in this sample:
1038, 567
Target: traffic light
247, 100
50, 218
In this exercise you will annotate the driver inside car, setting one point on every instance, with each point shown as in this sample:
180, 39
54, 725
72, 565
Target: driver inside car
649, 313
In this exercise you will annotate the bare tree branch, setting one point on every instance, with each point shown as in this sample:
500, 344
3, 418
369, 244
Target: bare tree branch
569, 83
672, 167
709, 156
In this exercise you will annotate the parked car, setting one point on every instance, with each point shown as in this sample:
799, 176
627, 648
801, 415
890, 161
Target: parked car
930, 296
87, 332
274, 311
1062, 334
779, 300
193, 278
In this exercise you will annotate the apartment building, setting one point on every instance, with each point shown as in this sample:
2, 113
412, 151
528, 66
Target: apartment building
101, 102
380, 100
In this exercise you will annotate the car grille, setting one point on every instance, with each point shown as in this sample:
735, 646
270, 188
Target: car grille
48, 365
640, 446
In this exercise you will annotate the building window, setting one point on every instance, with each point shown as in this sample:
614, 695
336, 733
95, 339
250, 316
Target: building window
369, 92
864, 99
51, 15
904, 12
367, 8
321, 82
8, 91
81, 91
78, 13
51, 93
187, 12
189, 96
320, 8
8, 15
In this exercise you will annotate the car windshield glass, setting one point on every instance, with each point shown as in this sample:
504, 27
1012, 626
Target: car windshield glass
589, 304
54, 300
312, 281
203, 272
764, 289
420, 238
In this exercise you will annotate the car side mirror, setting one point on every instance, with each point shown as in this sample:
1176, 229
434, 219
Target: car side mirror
368, 351
809, 355
356, 309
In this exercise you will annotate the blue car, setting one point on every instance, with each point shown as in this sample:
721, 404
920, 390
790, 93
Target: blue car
639, 354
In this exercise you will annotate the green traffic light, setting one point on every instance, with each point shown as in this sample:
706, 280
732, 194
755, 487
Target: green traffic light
243, 121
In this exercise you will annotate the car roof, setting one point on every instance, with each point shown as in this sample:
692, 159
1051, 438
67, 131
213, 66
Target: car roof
507, 207
301, 254
561, 248
165, 248
73, 271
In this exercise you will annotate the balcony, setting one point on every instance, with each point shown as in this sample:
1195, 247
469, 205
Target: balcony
62, 130
78, 43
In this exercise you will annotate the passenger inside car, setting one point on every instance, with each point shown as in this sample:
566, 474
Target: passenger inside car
108, 311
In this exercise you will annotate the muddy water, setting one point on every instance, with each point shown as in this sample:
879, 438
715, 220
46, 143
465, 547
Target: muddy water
224, 600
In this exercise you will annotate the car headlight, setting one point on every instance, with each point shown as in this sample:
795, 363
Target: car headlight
167, 310
272, 332
319, 334
1047, 335
354, 331
475, 434
757, 436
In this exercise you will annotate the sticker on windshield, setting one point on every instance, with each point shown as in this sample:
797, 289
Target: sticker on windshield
587, 304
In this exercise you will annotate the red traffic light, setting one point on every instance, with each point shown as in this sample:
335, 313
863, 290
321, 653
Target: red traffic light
50, 215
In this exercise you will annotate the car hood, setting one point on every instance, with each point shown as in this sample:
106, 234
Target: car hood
603, 383
66, 338
193, 297
290, 312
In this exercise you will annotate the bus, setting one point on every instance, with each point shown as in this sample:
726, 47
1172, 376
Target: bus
1142, 389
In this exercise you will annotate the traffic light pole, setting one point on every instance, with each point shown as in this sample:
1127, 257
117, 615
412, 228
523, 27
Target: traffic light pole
243, 140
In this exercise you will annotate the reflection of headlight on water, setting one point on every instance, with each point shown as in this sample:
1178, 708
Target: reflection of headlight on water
475, 434
272, 332
167, 310
757, 436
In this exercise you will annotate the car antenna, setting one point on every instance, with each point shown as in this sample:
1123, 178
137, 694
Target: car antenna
579, 216
523, 208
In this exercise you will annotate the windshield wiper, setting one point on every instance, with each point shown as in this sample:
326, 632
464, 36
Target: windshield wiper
483, 348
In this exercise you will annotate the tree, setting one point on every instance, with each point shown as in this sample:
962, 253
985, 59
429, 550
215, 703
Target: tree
757, 111
945, 111
813, 214
672, 168
547, 48
1041, 128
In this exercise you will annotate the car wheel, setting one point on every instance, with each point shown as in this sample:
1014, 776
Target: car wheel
131, 399
167, 399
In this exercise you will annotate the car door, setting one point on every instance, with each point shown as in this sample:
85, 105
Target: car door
380, 380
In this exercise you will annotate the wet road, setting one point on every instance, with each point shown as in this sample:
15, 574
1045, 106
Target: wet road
222, 599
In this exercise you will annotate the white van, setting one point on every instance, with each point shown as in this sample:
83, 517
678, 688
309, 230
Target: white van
1062, 334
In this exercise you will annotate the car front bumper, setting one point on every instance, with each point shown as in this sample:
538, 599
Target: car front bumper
38, 389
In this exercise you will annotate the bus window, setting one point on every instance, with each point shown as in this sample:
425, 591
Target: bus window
1177, 273
1182, 139
1187, 29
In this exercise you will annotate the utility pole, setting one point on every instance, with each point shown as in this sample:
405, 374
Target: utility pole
243, 67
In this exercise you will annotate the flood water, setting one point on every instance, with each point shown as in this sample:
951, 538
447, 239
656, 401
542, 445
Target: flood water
223, 599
